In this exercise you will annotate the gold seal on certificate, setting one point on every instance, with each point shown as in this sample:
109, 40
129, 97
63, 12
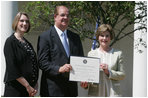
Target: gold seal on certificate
84, 69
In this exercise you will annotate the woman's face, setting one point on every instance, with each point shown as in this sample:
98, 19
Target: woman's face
104, 39
23, 24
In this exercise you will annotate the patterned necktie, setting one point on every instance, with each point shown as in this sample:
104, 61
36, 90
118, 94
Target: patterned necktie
65, 44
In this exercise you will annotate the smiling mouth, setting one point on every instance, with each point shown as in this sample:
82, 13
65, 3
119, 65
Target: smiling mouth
24, 28
64, 21
104, 41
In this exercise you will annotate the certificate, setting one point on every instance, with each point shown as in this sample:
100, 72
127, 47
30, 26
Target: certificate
84, 69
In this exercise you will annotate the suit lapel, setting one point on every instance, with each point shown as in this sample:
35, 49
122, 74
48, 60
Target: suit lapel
57, 40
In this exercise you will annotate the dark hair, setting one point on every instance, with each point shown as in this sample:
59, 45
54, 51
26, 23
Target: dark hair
16, 20
104, 27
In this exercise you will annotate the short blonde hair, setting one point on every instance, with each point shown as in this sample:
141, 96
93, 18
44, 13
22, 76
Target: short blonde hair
102, 28
16, 20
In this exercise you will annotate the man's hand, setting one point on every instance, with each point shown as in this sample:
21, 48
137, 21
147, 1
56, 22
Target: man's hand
65, 68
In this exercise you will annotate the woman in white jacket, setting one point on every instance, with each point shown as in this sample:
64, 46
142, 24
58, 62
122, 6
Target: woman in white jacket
111, 67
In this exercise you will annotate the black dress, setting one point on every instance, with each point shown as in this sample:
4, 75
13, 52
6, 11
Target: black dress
21, 61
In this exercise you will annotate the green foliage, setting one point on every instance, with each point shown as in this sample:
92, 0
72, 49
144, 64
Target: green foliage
83, 15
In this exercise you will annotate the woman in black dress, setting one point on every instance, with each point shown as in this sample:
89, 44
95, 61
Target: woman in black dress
21, 62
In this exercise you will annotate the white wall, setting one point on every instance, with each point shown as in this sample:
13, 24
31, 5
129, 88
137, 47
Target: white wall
140, 62
8, 11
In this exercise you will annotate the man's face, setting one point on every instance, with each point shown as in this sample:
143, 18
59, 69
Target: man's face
62, 18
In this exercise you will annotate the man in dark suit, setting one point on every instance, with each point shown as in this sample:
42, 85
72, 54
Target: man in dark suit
54, 57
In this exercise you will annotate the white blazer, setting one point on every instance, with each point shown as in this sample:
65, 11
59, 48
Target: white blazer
116, 73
